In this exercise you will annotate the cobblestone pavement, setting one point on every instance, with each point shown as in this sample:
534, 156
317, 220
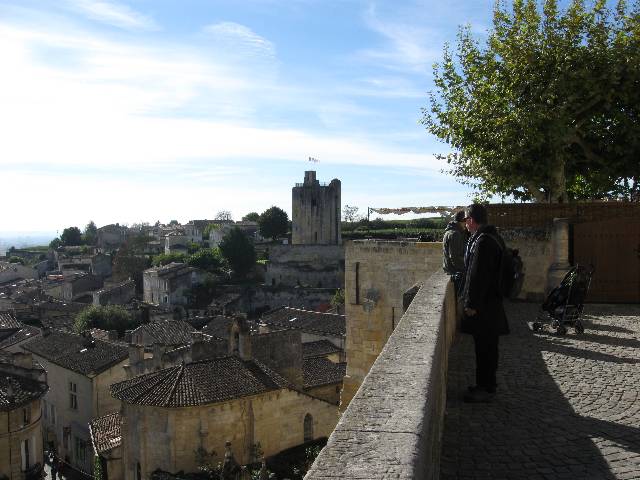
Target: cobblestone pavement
567, 407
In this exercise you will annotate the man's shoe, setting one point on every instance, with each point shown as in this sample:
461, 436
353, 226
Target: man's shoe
478, 395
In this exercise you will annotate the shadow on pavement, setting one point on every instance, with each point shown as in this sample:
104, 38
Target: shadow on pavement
560, 412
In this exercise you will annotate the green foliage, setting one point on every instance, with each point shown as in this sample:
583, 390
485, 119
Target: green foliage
201, 295
90, 235
338, 298
14, 259
55, 243
110, 317
209, 259
193, 247
238, 251
98, 474
350, 213
71, 236
167, 258
224, 215
251, 217
273, 223
547, 108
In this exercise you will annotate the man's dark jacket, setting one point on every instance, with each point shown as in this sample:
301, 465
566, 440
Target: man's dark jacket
454, 242
481, 288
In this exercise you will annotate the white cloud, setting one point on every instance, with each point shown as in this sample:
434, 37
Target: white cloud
409, 47
241, 38
114, 14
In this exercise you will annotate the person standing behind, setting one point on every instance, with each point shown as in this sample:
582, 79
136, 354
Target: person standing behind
454, 243
484, 316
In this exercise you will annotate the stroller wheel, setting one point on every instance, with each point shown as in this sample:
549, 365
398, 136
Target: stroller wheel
536, 326
579, 327
562, 330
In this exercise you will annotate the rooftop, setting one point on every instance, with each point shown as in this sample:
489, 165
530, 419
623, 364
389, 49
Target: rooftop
16, 390
320, 348
166, 332
200, 383
87, 356
105, 432
321, 371
306, 320
171, 269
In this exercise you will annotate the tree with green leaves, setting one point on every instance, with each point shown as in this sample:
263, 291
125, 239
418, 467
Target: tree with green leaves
208, 259
90, 235
167, 258
273, 223
110, 317
548, 108
251, 217
55, 243
350, 213
238, 251
71, 236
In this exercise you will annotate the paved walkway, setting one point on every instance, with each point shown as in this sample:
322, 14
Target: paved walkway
568, 407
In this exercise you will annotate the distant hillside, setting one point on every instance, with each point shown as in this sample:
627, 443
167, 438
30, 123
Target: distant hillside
24, 239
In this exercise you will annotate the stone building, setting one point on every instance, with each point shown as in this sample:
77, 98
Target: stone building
112, 237
117, 294
317, 266
22, 386
378, 273
313, 326
176, 241
80, 370
167, 285
315, 212
169, 415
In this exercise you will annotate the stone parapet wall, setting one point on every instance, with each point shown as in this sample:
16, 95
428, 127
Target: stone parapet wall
377, 274
306, 265
393, 426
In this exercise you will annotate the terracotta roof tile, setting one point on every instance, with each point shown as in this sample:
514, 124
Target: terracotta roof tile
321, 371
76, 353
105, 432
167, 332
306, 320
16, 390
200, 383
320, 348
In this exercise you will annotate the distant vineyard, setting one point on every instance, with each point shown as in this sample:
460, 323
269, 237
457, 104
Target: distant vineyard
428, 234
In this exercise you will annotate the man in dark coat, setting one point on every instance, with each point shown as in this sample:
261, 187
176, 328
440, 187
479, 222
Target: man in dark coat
454, 243
484, 316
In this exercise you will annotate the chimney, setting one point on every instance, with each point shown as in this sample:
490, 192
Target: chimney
22, 359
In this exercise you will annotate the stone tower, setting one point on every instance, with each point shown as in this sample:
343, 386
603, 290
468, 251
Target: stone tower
316, 212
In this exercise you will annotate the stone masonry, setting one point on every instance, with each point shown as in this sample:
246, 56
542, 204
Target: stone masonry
377, 273
315, 212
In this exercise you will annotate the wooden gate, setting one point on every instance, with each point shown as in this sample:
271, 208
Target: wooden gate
613, 248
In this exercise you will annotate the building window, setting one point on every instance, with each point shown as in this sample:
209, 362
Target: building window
73, 396
26, 416
138, 471
308, 427
80, 451
25, 455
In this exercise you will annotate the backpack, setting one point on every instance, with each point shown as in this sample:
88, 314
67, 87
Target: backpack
511, 270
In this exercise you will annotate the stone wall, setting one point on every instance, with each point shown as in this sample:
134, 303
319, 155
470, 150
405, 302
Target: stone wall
265, 298
13, 432
282, 352
393, 426
306, 265
119, 294
167, 438
536, 250
315, 212
377, 274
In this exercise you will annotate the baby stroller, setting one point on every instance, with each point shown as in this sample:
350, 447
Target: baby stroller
563, 306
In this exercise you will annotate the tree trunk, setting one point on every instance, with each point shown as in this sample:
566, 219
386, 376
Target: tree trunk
535, 192
558, 183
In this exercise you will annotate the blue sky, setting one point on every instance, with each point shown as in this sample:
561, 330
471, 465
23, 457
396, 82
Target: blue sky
152, 110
